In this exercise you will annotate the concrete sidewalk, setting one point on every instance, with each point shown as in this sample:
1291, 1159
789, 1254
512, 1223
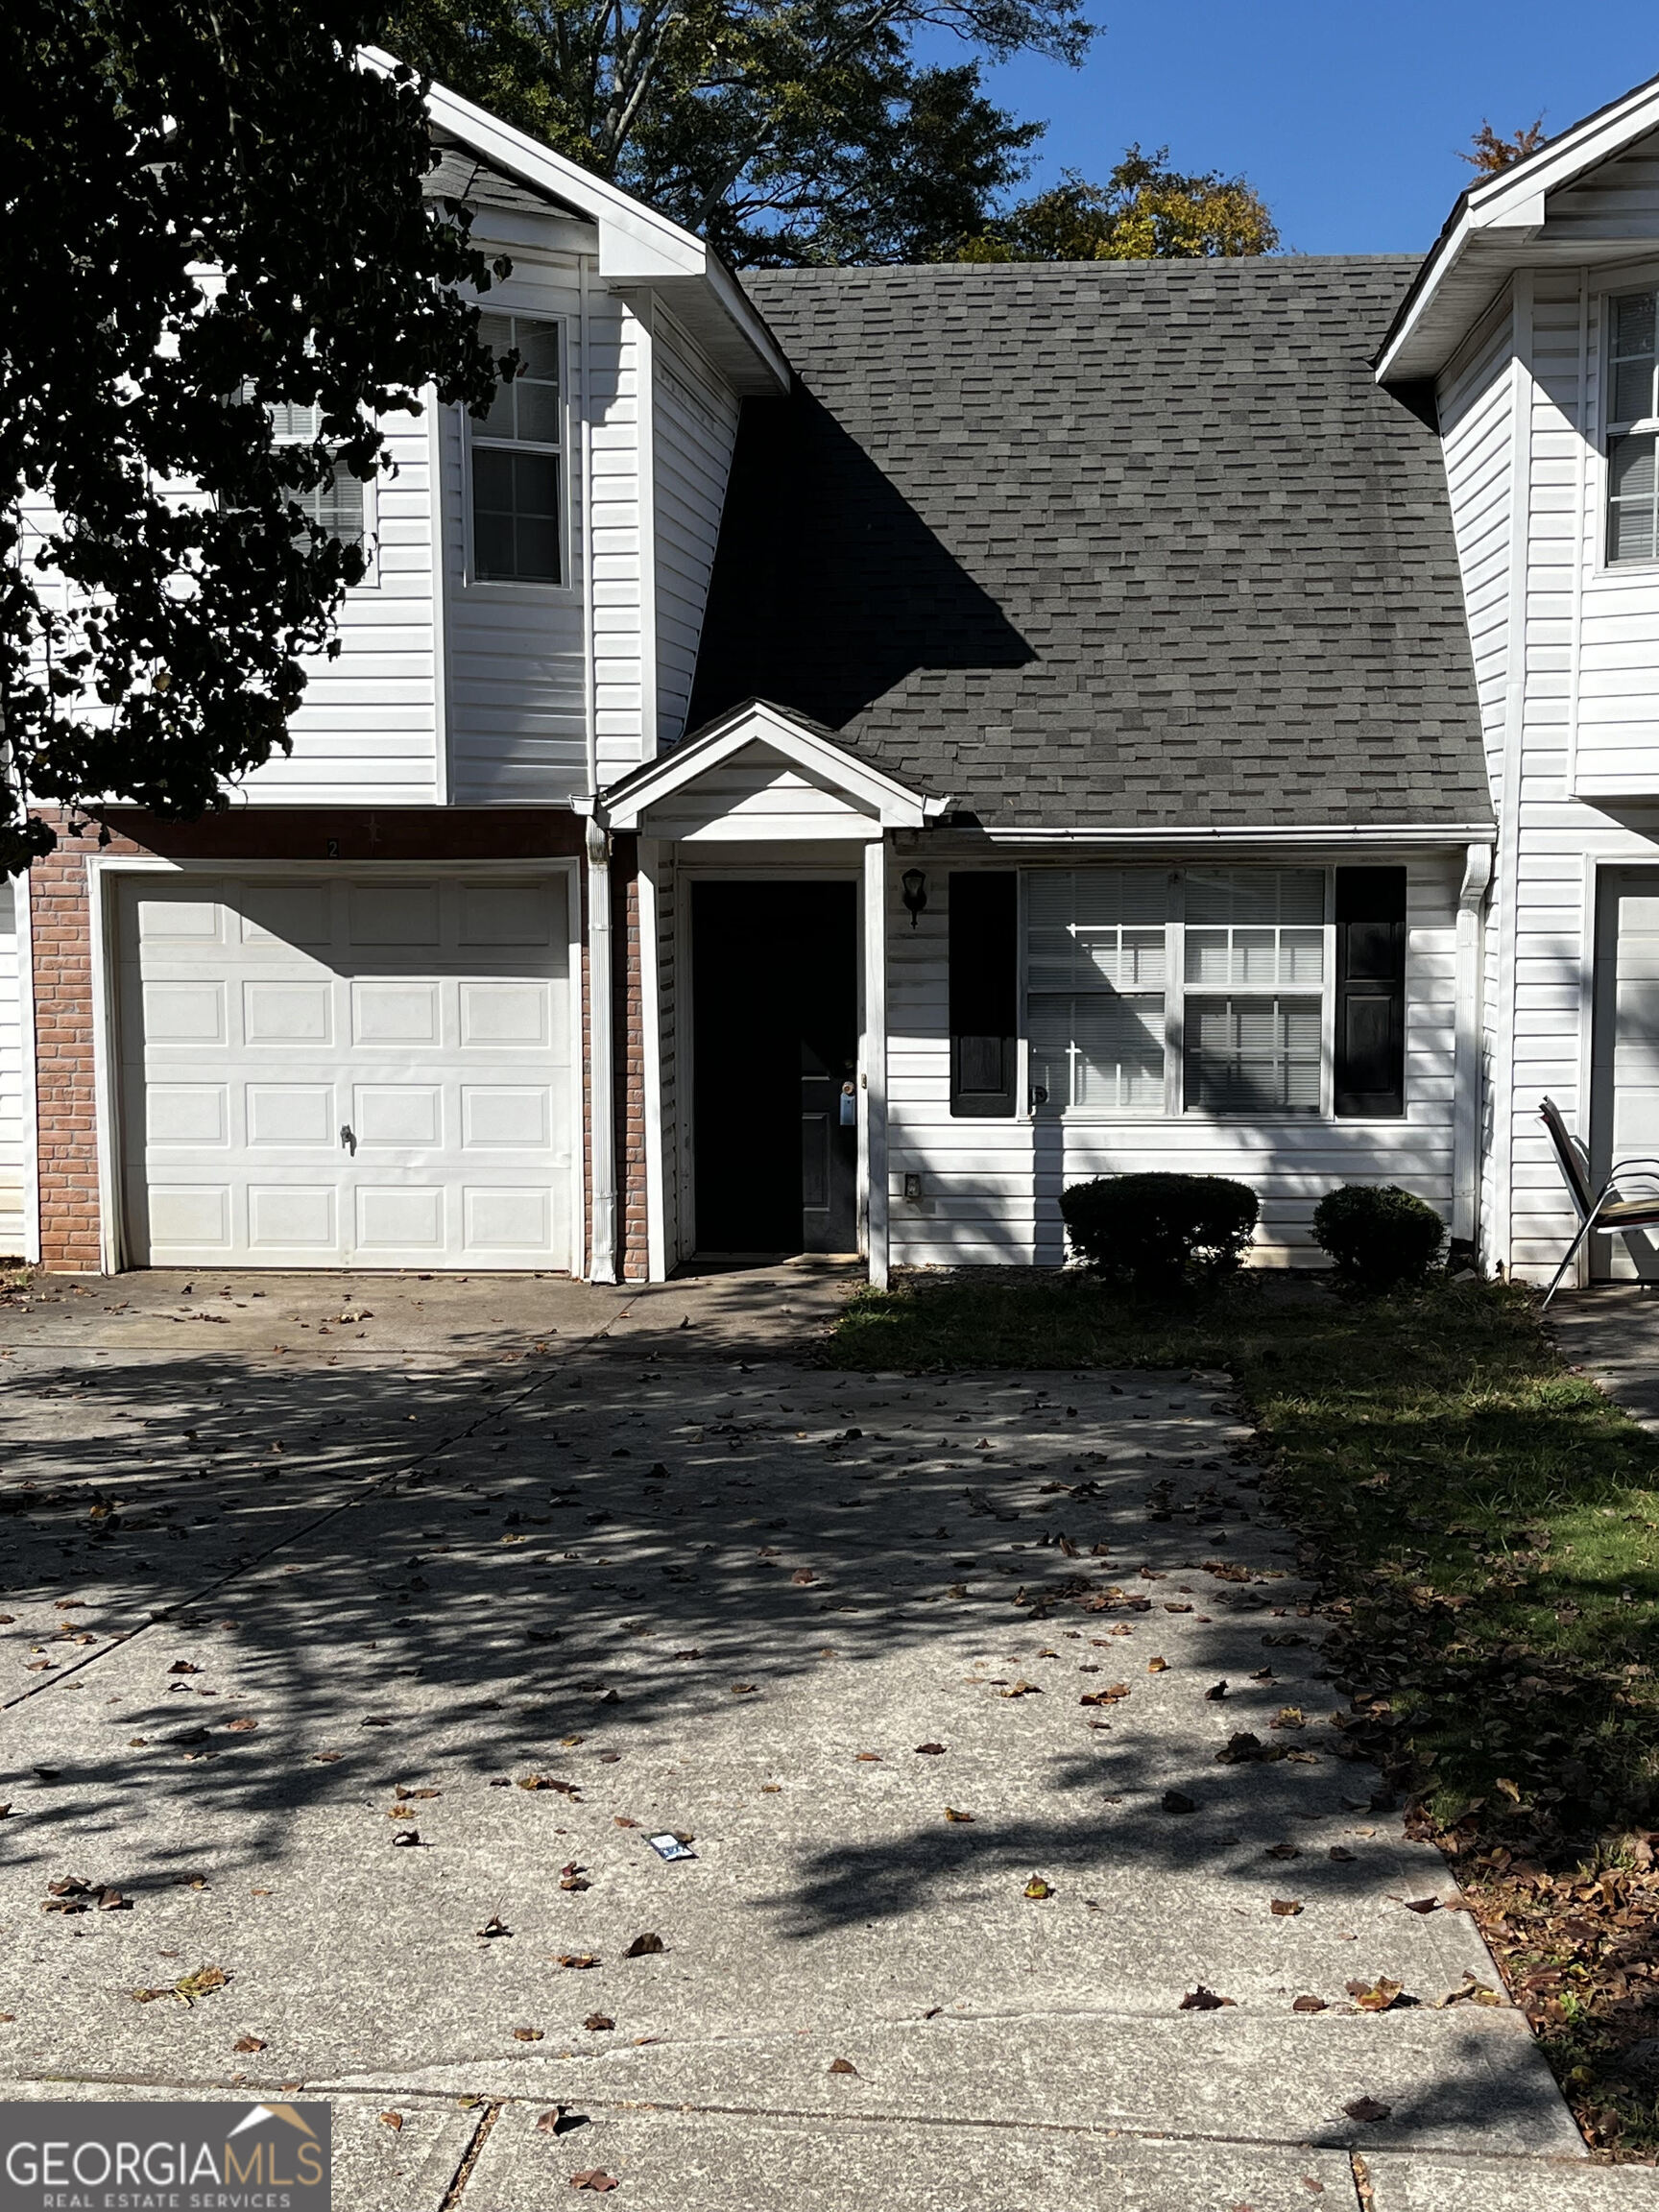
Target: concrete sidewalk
366, 1678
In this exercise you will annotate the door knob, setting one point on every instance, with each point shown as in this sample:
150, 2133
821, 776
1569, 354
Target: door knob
349, 1138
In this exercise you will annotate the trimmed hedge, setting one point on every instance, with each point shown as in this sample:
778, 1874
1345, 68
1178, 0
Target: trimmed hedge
1380, 1238
1158, 1231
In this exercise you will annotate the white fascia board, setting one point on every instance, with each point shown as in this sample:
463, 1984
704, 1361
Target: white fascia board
895, 805
1516, 201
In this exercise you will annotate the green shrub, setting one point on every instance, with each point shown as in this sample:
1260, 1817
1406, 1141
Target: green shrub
1380, 1238
1158, 1231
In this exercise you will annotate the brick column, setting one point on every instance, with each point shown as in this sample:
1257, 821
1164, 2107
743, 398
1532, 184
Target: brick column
65, 1096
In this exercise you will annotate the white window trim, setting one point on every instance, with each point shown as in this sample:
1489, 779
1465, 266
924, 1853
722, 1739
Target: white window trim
515, 587
1176, 1111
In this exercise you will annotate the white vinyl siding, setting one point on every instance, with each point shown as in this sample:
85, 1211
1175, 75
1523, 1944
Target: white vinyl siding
694, 420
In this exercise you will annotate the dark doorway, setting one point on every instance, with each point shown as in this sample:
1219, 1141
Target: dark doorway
775, 1105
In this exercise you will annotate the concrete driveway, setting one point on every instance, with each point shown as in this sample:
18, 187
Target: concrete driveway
360, 1633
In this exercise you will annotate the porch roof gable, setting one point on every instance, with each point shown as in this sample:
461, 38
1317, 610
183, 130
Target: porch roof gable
760, 727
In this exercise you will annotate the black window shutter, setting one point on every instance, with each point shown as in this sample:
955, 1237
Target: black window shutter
984, 992
1370, 991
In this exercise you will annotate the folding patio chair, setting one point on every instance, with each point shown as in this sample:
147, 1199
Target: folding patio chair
1604, 1210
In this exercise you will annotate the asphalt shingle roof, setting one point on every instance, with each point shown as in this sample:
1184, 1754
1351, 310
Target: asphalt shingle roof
1125, 544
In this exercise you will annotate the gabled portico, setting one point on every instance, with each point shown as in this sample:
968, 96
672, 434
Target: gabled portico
763, 887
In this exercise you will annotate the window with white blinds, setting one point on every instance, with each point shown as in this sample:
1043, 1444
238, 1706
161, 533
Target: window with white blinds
1200, 991
1096, 967
337, 508
1631, 401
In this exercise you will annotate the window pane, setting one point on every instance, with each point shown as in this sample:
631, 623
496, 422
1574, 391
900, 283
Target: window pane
515, 516
1254, 959
1089, 925
290, 419
1633, 510
1097, 1054
1633, 325
539, 342
337, 506
1252, 1055
1632, 392
1256, 894
538, 413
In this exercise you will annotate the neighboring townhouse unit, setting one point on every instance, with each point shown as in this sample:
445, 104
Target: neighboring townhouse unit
830, 759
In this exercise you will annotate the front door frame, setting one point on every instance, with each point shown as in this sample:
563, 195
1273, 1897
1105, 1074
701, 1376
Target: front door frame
103, 870
867, 866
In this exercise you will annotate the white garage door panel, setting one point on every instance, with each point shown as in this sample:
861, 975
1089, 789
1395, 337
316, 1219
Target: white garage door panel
317, 1074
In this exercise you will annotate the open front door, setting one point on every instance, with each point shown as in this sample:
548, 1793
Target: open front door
774, 1045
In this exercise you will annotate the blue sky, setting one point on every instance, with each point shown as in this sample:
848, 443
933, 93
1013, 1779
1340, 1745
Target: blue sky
1345, 116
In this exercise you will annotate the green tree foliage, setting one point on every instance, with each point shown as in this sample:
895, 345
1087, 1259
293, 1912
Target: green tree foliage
175, 580
1145, 212
784, 130
1491, 155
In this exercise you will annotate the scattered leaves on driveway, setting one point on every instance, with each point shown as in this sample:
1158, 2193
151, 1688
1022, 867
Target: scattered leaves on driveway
1038, 1888
1367, 2111
1202, 1999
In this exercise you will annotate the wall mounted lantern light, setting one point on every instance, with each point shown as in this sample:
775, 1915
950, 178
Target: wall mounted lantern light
914, 886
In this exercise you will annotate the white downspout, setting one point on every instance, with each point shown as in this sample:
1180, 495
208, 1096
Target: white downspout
601, 1042
601, 1056
1466, 1047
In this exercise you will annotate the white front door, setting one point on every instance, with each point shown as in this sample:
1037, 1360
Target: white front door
1626, 1081
358, 1070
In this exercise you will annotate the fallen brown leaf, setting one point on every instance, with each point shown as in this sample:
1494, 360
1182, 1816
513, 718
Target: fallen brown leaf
493, 1926
1202, 1999
391, 2118
594, 2178
1157, 1666
1421, 1904
1368, 2110
528, 2034
842, 2067
1178, 1802
644, 1947
247, 2043
1286, 1907
577, 1959
1376, 1996
951, 1813
547, 2122
1038, 1888
1309, 2004
598, 2023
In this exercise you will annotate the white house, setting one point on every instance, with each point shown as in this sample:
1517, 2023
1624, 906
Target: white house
832, 759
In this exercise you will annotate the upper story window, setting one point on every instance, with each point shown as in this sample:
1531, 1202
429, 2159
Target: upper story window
518, 454
339, 507
1632, 428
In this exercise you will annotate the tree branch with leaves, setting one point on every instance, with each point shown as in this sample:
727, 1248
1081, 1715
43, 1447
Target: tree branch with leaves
211, 211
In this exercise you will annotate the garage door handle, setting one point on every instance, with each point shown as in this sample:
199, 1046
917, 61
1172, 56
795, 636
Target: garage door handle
349, 1138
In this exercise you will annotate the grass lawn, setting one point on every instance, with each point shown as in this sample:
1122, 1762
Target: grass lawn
1484, 1528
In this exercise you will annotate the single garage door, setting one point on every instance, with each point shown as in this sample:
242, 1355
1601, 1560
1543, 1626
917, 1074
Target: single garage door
343, 1070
